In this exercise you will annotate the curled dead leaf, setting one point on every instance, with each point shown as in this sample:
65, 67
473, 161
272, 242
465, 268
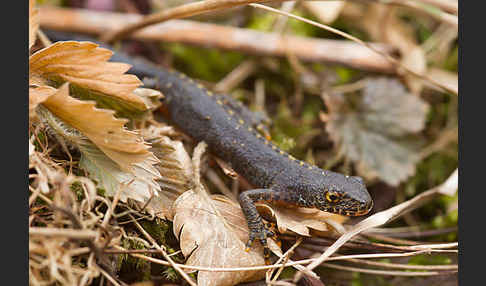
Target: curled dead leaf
101, 127
175, 169
37, 95
210, 240
150, 97
139, 185
86, 65
300, 220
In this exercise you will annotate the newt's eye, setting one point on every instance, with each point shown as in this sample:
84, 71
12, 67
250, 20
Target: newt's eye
332, 197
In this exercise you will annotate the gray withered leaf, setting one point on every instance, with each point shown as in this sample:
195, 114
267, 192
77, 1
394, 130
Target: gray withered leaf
377, 130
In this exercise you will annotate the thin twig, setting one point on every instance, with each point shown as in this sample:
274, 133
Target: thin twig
71, 233
163, 252
223, 37
449, 187
406, 266
284, 258
277, 265
386, 272
182, 11
352, 38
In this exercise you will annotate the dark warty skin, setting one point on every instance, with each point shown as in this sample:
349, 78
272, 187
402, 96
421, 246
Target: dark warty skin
230, 130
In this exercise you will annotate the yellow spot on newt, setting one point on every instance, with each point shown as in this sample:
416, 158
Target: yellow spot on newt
241, 121
219, 102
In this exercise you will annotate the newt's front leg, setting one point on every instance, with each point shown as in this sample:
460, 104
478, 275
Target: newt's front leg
257, 228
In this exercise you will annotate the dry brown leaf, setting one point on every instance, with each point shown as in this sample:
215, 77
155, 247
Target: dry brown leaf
84, 64
300, 220
139, 185
151, 97
33, 22
374, 130
210, 240
175, 168
37, 95
101, 127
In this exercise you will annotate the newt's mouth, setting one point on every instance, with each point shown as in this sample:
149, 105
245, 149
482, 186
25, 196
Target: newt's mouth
353, 211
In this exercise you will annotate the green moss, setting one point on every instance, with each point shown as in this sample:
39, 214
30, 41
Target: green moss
265, 22
452, 59
356, 279
171, 274
77, 188
262, 22
300, 28
345, 75
205, 64
285, 129
157, 228
431, 172
132, 268
426, 259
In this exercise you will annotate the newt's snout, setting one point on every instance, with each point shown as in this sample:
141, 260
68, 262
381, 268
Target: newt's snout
360, 202
350, 197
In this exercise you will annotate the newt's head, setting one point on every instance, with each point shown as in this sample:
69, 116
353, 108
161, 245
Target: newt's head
344, 195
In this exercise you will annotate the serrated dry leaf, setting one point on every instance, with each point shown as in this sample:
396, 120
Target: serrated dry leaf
33, 22
139, 185
175, 168
301, 220
150, 97
209, 240
374, 133
101, 127
86, 65
37, 95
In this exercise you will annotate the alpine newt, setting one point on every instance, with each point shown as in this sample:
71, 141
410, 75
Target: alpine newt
230, 132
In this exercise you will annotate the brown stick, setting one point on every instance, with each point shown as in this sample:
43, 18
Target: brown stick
210, 35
